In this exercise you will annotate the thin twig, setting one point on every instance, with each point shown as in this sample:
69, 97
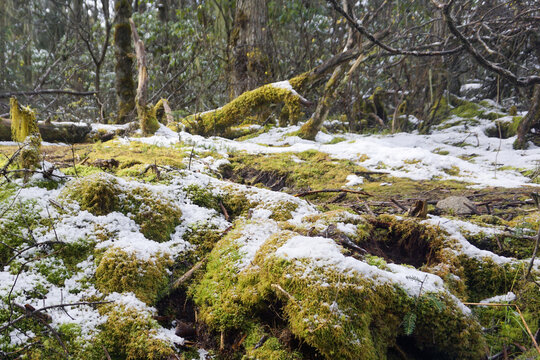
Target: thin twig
331, 191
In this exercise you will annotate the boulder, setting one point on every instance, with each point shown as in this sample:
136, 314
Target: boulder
458, 205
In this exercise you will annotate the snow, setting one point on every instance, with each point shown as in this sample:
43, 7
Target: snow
508, 297
409, 155
324, 253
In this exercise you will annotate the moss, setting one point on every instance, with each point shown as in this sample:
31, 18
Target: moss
148, 119
203, 197
483, 277
125, 86
159, 111
217, 293
306, 170
128, 334
30, 155
97, 193
504, 129
23, 121
217, 122
336, 140
15, 222
505, 327
157, 216
123, 271
270, 349
101, 194
467, 110
342, 315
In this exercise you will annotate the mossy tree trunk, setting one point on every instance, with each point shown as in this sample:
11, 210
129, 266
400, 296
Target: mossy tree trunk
24, 129
125, 87
251, 64
310, 129
532, 119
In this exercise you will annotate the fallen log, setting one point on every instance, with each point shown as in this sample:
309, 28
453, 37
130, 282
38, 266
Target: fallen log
66, 132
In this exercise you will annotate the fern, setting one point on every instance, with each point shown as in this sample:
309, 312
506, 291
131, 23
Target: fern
435, 301
409, 323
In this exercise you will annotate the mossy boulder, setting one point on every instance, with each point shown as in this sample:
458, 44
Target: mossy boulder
123, 271
342, 307
98, 193
128, 333
504, 129
101, 193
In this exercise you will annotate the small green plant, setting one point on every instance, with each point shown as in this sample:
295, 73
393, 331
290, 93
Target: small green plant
409, 320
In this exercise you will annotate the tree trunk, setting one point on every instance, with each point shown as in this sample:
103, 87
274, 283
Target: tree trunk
310, 129
251, 59
532, 119
27, 51
125, 87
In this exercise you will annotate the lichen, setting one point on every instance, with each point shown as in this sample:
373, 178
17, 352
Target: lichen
122, 271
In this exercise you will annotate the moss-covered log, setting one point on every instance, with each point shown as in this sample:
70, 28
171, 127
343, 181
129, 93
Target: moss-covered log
218, 121
70, 133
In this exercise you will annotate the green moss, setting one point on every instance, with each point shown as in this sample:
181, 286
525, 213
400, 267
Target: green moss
314, 170
203, 197
30, 155
97, 193
342, 315
483, 277
101, 194
157, 216
122, 271
15, 223
128, 334
217, 122
270, 349
23, 121
148, 119
504, 129
467, 110
336, 140
505, 327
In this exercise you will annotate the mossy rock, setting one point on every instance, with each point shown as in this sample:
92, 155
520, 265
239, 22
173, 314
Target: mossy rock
101, 194
128, 334
98, 193
343, 315
504, 129
122, 271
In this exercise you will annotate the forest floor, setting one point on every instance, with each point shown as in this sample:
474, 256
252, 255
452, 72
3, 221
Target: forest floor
272, 246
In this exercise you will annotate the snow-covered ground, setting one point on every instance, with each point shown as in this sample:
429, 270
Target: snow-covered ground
462, 152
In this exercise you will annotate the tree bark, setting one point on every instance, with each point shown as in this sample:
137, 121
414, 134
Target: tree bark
251, 64
125, 87
532, 119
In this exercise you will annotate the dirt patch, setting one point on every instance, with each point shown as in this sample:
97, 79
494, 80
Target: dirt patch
402, 242
274, 180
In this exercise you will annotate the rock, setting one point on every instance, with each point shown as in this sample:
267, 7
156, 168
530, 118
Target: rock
458, 205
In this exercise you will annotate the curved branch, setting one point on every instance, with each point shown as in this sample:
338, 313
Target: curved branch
362, 30
505, 73
47, 91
